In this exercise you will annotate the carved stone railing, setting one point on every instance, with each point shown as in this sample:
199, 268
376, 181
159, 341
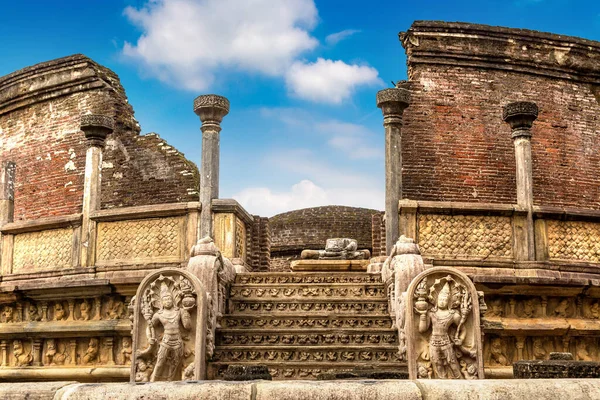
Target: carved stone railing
46, 244
493, 235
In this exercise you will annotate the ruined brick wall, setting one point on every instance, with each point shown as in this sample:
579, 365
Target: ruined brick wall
40, 108
378, 235
309, 228
455, 146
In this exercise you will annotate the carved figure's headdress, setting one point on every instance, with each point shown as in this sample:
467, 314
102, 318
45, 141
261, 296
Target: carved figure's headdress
164, 290
445, 292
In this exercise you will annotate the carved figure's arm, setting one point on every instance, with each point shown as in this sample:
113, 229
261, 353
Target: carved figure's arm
186, 319
151, 324
424, 322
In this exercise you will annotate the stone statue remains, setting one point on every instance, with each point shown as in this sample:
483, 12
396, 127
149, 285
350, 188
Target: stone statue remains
337, 249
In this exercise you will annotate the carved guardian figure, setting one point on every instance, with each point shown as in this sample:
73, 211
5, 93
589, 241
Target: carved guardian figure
167, 342
443, 331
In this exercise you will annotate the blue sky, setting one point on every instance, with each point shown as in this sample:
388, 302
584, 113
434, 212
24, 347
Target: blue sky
301, 76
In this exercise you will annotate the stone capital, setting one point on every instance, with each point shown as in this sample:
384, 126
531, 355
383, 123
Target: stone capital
96, 128
211, 109
520, 116
393, 102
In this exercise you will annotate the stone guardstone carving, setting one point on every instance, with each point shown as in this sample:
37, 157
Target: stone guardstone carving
169, 316
403, 264
443, 326
216, 273
337, 249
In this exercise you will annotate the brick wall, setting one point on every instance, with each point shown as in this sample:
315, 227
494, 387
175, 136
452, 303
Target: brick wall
40, 108
456, 146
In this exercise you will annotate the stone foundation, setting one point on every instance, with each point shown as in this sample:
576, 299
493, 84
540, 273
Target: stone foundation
540, 389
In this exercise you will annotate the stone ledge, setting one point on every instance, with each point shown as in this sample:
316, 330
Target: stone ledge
329, 265
150, 211
539, 389
518, 50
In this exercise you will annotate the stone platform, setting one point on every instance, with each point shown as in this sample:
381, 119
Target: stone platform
516, 389
329, 265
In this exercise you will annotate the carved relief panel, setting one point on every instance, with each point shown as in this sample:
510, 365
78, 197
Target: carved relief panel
443, 326
169, 328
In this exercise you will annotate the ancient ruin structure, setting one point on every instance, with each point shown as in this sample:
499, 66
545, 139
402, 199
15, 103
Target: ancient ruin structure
487, 254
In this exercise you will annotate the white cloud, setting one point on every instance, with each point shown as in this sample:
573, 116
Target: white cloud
337, 37
355, 141
328, 81
185, 42
352, 139
266, 202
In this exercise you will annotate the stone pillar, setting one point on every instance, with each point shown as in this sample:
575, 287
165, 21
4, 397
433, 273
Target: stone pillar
73, 352
3, 348
108, 344
7, 210
211, 109
392, 103
95, 128
520, 116
36, 350
7, 192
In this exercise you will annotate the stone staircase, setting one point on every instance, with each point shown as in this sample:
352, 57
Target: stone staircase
301, 324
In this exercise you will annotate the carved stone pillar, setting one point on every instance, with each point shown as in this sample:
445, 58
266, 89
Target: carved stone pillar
7, 191
512, 303
392, 102
73, 352
4, 348
36, 350
211, 109
44, 311
520, 342
108, 344
19, 312
97, 309
7, 210
544, 305
95, 128
71, 316
520, 116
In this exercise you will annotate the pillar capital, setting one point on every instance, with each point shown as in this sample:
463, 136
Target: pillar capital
96, 127
520, 116
393, 102
211, 109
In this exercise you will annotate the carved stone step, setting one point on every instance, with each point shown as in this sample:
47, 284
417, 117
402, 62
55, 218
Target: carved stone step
288, 371
305, 320
306, 277
324, 355
304, 291
333, 305
309, 337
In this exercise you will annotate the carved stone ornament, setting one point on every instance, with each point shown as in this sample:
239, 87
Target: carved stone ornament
443, 331
168, 327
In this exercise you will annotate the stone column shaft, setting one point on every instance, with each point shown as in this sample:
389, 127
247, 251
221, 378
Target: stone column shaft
520, 116
392, 103
7, 192
7, 211
211, 109
96, 128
